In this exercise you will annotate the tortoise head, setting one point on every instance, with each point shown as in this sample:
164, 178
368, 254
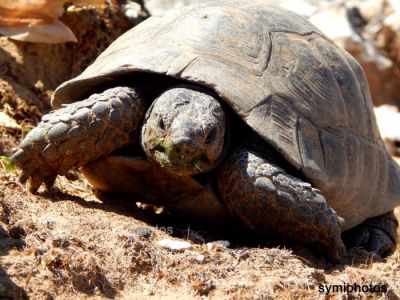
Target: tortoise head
184, 131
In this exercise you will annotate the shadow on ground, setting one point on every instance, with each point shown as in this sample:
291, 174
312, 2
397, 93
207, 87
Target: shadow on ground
200, 233
9, 289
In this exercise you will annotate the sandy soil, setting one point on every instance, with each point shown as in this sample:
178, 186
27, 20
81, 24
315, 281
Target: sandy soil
67, 244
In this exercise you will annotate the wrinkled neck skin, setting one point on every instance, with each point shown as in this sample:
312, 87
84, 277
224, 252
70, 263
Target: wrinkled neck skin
185, 131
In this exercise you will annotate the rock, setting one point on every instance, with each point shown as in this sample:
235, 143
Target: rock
200, 258
174, 245
195, 256
48, 223
218, 245
8, 123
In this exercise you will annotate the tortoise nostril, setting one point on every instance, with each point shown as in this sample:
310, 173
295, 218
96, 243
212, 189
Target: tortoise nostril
161, 124
211, 135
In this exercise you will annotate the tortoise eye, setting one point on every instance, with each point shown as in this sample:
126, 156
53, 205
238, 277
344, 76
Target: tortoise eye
211, 135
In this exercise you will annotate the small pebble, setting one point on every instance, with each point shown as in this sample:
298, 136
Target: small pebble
174, 245
200, 258
41, 250
196, 256
48, 223
216, 245
8, 122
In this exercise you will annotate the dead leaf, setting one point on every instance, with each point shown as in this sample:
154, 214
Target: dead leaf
37, 20
8, 123
29, 12
50, 33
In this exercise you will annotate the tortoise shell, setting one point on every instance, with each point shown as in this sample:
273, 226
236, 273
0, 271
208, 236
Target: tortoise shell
305, 96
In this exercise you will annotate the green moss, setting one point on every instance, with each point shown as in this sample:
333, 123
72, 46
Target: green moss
7, 163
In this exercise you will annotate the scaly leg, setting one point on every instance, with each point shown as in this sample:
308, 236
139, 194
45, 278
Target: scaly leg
275, 204
78, 133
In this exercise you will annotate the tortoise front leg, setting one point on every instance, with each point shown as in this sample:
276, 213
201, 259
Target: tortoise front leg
79, 133
378, 234
272, 203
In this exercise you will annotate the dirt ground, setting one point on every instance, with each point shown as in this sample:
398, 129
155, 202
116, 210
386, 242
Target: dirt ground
67, 244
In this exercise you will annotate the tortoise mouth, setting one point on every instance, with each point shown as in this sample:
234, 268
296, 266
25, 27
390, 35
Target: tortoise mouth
179, 166
134, 151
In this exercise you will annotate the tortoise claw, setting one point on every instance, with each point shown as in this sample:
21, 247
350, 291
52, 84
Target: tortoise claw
376, 234
23, 177
34, 184
34, 167
49, 181
43, 176
26, 174
19, 157
375, 240
337, 251
380, 243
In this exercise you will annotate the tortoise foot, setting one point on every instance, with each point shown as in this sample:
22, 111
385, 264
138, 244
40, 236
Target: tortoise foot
78, 133
378, 234
275, 204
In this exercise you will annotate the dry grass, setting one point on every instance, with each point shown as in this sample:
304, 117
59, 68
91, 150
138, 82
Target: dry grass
66, 243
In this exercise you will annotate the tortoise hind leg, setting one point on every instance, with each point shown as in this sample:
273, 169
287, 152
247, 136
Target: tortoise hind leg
378, 234
78, 133
274, 204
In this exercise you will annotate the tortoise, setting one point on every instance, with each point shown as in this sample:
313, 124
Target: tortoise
234, 113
